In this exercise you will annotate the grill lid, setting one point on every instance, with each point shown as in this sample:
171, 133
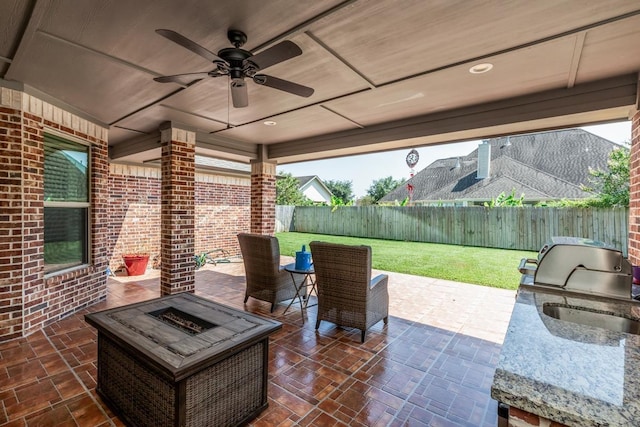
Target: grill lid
581, 265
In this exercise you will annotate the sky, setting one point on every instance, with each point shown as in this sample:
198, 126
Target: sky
363, 169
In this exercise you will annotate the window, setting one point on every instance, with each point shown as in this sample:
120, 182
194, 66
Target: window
66, 204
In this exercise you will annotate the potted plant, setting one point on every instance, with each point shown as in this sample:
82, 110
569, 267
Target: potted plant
136, 263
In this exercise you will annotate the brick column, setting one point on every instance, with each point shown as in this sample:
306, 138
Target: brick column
263, 197
634, 197
177, 210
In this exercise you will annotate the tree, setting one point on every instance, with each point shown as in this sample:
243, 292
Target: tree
504, 200
341, 189
611, 187
365, 201
288, 192
380, 187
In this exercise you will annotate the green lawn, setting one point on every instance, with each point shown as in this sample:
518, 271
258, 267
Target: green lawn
483, 266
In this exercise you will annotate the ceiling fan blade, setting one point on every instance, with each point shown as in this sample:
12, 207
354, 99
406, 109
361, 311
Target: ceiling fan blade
239, 94
182, 79
276, 54
284, 85
189, 44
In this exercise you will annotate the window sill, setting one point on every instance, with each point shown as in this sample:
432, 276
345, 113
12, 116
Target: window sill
68, 273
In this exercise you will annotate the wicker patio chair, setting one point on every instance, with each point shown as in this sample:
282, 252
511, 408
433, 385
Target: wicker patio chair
346, 294
266, 279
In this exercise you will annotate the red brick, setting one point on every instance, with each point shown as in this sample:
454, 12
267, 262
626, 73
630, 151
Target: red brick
527, 417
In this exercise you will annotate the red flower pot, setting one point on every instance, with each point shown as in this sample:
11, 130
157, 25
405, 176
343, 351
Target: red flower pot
136, 265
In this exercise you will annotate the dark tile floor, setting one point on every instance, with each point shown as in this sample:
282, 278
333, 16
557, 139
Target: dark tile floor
432, 365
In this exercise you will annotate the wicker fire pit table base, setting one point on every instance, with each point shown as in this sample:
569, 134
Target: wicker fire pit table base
182, 360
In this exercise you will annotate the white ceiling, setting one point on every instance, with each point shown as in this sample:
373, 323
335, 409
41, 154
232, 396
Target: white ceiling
387, 74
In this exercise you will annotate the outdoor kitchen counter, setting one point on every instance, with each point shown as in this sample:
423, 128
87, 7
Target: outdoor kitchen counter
566, 372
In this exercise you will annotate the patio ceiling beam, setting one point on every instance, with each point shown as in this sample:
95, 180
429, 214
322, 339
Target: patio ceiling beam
138, 145
206, 143
218, 143
614, 93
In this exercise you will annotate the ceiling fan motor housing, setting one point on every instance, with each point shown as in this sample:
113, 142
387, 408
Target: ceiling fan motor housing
235, 57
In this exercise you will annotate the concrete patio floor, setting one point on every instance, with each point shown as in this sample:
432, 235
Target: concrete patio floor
432, 365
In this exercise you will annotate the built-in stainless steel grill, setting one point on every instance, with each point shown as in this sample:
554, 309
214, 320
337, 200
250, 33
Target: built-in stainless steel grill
579, 265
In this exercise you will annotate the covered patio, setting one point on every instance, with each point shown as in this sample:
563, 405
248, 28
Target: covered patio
103, 153
431, 365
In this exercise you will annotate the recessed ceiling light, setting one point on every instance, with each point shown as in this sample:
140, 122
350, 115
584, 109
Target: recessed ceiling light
481, 68
270, 123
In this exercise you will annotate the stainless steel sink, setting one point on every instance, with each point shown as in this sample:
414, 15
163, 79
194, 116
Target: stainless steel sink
591, 317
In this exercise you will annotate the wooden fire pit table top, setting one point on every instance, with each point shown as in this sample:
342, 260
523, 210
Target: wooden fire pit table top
172, 342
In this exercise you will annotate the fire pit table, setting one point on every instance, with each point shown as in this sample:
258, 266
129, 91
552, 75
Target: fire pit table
182, 360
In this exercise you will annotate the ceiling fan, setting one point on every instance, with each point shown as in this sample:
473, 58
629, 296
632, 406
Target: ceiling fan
238, 63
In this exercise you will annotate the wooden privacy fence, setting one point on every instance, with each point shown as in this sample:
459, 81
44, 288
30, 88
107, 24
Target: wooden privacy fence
284, 218
526, 228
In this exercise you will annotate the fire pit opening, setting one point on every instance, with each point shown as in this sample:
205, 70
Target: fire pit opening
184, 321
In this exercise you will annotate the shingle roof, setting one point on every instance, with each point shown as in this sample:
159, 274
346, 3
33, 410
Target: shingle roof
543, 166
303, 180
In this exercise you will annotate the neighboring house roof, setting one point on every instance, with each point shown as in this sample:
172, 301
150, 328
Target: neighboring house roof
542, 166
313, 187
75, 162
306, 180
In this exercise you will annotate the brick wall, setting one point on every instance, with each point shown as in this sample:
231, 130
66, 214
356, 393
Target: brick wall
28, 299
222, 210
11, 207
125, 215
134, 212
634, 198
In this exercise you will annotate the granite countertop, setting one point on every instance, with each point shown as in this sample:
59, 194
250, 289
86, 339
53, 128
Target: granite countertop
568, 372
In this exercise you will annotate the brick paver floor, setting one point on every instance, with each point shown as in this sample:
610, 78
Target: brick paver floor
432, 365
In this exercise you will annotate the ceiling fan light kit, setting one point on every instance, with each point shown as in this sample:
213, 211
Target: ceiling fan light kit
239, 93
237, 64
